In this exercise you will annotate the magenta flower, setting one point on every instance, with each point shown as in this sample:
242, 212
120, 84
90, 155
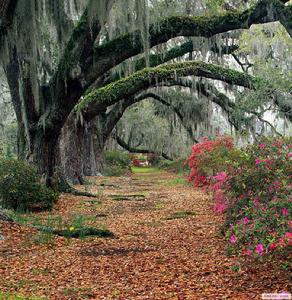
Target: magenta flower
221, 176
233, 239
285, 212
262, 145
259, 249
257, 161
245, 220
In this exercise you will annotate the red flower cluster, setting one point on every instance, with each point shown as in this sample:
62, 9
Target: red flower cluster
196, 160
136, 162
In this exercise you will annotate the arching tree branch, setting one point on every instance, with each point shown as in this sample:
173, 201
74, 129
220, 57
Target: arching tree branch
127, 147
114, 52
67, 86
175, 52
141, 80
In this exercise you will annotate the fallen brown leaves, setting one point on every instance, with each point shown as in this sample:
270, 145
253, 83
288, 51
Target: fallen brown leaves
153, 256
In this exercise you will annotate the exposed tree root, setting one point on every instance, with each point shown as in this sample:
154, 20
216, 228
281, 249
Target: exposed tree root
109, 185
5, 217
65, 187
78, 232
135, 197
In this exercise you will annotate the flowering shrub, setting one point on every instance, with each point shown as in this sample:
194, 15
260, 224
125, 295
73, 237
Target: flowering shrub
254, 191
208, 158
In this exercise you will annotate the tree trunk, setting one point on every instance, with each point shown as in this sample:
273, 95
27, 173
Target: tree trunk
40, 121
81, 148
94, 143
71, 148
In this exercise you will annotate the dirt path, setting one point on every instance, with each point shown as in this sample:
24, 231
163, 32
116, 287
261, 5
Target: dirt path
167, 246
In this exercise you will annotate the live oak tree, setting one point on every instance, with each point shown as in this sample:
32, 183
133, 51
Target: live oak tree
45, 92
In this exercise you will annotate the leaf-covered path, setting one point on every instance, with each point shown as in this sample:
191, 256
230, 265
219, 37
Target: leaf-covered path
167, 246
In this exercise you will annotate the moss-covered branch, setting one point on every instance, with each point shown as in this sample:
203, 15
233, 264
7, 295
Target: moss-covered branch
114, 52
66, 85
210, 91
175, 52
141, 80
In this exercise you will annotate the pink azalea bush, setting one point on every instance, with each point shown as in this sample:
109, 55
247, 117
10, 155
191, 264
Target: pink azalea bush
253, 188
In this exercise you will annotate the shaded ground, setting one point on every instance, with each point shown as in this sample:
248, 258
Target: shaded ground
166, 246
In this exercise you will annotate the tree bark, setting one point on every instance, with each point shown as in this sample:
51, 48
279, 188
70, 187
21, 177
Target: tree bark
71, 147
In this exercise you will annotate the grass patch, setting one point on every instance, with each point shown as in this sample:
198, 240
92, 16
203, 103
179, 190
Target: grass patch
73, 293
76, 227
89, 203
145, 170
180, 215
159, 205
12, 296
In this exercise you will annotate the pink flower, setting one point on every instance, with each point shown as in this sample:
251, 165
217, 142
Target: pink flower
268, 161
262, 145
257, 161
290, 154
220, 202
290, 224
259, 249
256, 201
272, 246
288, 237
285, 212
245, 220
221, 176
233, 239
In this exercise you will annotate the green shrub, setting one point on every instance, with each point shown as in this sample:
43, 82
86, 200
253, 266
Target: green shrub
118, 158
6, 151
20, 188
113, 170
177, 166
117, 163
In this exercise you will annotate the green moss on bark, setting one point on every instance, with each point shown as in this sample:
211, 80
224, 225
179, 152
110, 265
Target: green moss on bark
140, 80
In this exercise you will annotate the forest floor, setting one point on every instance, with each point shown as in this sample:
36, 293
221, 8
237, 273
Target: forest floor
167, 245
